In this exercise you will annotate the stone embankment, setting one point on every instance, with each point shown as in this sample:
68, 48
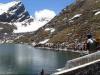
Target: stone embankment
93, 69
85, 65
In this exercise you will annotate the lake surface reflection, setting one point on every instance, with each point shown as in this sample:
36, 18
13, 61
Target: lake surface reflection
23, 59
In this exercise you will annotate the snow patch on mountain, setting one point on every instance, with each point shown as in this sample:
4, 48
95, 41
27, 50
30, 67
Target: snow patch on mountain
76, 16
1, 28
29, 28
98, 12
40, 19
50, 29
44, 41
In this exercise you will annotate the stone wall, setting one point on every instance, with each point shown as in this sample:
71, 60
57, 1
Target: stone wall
93, 69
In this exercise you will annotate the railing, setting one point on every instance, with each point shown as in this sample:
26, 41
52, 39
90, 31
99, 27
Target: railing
79, 63
82, 60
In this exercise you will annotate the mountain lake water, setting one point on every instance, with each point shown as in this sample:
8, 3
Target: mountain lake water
24, 59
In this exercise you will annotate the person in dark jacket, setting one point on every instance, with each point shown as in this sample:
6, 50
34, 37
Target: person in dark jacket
91, 43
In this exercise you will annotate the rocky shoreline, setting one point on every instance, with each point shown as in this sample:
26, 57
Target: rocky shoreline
65, 49
56, 49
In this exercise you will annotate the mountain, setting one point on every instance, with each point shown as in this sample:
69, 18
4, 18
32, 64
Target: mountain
71, 25
11, 13
15, 14
39, 20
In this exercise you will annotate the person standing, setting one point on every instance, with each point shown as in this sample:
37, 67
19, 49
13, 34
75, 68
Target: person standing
91, 43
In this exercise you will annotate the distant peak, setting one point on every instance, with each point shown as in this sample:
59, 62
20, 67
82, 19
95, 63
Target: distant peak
13, 11
4, 7
12, 3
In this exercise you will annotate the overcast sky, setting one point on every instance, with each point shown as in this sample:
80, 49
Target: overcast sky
38, 5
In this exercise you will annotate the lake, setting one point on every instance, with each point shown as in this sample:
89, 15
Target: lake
24, 59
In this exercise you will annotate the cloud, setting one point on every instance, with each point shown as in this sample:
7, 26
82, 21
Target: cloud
45, 13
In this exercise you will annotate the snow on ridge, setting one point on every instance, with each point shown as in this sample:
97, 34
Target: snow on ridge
50, 29
28, 28
76, 16
4, 7
44, 41
97, 13
1, 28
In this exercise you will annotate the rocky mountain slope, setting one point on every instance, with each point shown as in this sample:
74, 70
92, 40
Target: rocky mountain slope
71, 25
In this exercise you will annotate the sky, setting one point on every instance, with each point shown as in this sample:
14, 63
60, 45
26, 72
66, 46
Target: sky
33, 6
